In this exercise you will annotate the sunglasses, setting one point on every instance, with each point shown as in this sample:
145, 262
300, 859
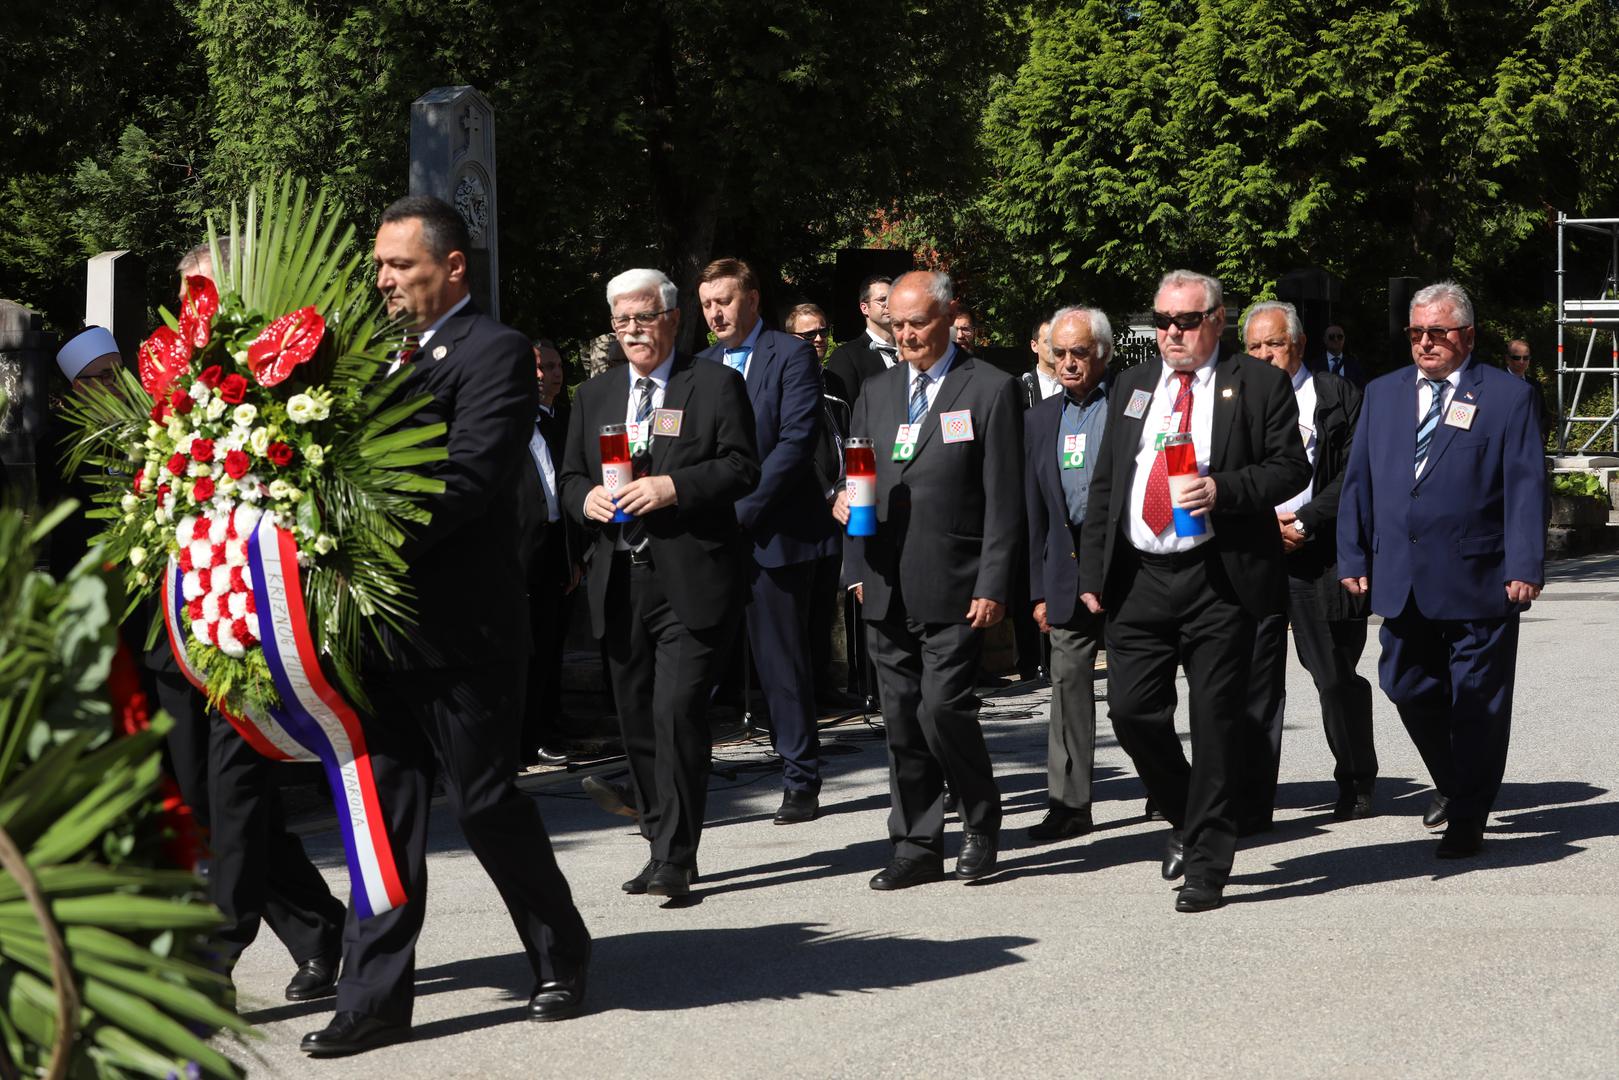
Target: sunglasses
811, 334
1438, 333
1191, 320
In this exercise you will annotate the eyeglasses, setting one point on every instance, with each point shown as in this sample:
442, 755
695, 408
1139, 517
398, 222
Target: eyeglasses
1080, 352
1518, 356
1191, 320
1438, 333
811, 334
1335, 337
643, 319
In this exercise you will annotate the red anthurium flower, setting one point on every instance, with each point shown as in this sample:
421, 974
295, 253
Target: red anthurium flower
181, 401
233, 389
279, 453
177, 465
204, 489
211, 375
236, 464
285, 344
202, 449
197, 309
163, 357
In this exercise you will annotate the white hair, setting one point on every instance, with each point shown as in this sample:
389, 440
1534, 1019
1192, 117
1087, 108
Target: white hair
1448, 293
1295, 328
937, 283
643, 281
1101, 328
1212, 290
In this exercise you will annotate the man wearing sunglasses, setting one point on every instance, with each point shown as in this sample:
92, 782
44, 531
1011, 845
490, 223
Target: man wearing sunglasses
1441, 522
1335, 361
807, 322
1174, 594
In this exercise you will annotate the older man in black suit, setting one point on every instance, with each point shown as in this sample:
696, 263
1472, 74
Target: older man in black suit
1178, 595
937, 573
872, 352
1061, 437
785, 517
667, 587
447, 698
1329, 625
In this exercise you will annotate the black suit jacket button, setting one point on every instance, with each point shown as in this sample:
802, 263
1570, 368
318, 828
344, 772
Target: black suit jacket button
1413, 538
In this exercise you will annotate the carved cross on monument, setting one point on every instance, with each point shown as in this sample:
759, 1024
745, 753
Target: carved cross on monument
452, 157
472, 124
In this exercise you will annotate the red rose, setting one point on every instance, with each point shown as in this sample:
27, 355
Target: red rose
202, 449
211, 375
204, 489
233, 389
280, 454
177, 465
182, 402
162, 493
160, 413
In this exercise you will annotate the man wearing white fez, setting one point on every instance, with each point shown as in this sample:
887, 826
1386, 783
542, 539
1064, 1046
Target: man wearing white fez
90, 357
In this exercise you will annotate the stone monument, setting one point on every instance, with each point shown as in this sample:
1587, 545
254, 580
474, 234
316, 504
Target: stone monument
115, 297
452, 156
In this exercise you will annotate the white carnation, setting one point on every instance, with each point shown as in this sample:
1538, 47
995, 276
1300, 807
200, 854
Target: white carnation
202, 554
218, 529
236, 604
199, 393
246, 518
210, 607
191, 585
228, 643
235, 553
183, 531
199, 630
219, 579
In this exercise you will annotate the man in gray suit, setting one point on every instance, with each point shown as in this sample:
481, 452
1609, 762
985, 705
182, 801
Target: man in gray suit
938, 572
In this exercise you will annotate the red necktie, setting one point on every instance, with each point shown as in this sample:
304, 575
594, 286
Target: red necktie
1155, 505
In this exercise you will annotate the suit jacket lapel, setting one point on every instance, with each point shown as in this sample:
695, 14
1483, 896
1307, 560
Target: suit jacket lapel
1467, 391
758, 367
955, 380
1227, 390
675, 396
1128, 440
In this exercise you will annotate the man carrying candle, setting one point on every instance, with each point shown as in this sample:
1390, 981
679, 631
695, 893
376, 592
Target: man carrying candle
666, 587
1189, 596
936, 574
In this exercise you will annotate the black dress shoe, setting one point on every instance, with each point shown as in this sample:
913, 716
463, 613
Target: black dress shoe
636, 886
352, 1033
671, 880
902, 873
1061, 823
1352, 804
550, 755
314, 979
1199, 895
563, 995
977, 856
1463, 837
1151, 811
1438, 812
611, 797
1174, 856
797, 807
951, 802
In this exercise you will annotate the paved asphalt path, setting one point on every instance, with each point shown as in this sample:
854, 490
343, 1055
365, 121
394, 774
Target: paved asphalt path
1346, 949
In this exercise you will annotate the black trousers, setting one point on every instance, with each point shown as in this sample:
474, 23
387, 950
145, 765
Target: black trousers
1182, 610
663, 675
778, 635
187, 740
1453, 682
926, 673
1329, 651
460, 724
549, 610
260, 870
826, 594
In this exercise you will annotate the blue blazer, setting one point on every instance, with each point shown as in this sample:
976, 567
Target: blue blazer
1053, 539
1472, 522
786, 515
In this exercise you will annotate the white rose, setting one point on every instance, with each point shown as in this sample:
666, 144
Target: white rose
129, 503
315, 455
259, 440
324, 544
245, 414
301, 408
137, 555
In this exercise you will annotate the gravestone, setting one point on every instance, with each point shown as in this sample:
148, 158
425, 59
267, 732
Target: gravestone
26, 355
115, 298
452, 157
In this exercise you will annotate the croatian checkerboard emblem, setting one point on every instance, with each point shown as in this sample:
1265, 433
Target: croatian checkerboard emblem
956, 426
1460, 415
666, 422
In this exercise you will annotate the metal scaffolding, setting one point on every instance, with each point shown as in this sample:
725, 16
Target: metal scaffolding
1596, 317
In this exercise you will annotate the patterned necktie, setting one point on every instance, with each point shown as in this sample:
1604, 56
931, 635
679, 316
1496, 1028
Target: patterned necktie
1155, 504
635, 529
736, 360
1430, 422
919, 397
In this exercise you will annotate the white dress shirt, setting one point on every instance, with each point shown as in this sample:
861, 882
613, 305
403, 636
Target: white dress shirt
660, 381
1049, 385
1425, 401
1165, 391
888, 351
1304, 393
540, 450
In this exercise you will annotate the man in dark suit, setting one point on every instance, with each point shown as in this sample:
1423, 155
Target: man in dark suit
785, 516
937, 573
1518, 363
1335, 361
871, 353
1441, 521
447, 698
1329, 625
550, 551
1191, 599
666, 588
1061, 437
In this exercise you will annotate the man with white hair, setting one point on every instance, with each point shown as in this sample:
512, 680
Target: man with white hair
667, 586
1440, 522
1329, 625
1061, 437
1189, 588
937, 573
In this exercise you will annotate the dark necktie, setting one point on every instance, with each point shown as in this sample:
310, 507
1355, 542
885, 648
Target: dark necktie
890, 353
1155, 503
635, 529
1430, 422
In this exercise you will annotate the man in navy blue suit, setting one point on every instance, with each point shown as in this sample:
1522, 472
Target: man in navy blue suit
1440, 520
785, 516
